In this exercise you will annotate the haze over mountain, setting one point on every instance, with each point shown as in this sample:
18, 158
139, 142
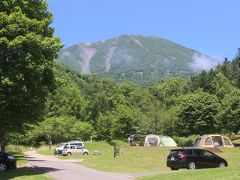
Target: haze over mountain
142, 59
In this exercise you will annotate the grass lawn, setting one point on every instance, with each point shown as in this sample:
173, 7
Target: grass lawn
206, 174
148, 159
44, 150
22, 172
131, 160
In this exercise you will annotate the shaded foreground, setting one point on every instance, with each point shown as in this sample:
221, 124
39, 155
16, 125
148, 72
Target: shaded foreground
23, 173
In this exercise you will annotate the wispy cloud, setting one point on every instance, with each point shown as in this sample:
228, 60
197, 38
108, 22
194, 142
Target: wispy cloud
202, 62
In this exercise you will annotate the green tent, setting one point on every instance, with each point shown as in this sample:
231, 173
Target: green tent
167, 141
158, 140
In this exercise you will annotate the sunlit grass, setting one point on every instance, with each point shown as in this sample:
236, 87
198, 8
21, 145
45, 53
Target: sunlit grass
202, 174
136, 159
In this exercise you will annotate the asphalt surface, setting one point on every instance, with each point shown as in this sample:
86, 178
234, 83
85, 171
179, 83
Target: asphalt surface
70, 169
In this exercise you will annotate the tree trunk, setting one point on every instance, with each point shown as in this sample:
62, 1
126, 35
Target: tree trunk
49, 139
3, 142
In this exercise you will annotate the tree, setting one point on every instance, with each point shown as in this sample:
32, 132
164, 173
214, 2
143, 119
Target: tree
221, 86
104, 126
197, 114
81, 130
27, 53
229, 115
168, 91
53, 130
125, 123
67, 101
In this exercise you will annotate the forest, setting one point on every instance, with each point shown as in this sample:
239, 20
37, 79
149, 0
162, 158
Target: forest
85, 107
45, 101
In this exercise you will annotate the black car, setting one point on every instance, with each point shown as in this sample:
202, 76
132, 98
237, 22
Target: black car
193, 158
7, 161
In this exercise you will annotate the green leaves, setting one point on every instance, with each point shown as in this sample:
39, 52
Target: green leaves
229, 115
197, 114
27, 52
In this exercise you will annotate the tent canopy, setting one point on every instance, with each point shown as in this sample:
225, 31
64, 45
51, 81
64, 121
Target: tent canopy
213, 140
158, 140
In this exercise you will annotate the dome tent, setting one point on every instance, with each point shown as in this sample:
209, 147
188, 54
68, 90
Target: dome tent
158, 140
212, 140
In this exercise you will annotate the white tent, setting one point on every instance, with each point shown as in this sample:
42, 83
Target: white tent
157, 140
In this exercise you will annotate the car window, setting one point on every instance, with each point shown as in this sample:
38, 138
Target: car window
176, 153
208, 154
226, 141
79, 147
188, 152
208, 141
198, 152
66, 147
217, 140
72, 147
196, 143
76, 144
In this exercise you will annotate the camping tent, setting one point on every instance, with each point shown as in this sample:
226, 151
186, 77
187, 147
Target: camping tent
158, 140
213, 140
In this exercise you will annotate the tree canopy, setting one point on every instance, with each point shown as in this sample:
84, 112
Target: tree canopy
27, 53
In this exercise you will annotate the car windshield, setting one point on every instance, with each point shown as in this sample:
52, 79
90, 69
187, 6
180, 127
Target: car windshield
60, 145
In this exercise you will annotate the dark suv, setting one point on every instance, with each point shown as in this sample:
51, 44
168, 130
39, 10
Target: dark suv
193, 158
7, 161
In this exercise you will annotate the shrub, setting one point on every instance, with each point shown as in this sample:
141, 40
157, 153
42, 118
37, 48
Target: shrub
118, 143
185, 141
16, 148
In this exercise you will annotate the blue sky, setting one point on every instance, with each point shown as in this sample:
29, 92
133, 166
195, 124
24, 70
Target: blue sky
209, 26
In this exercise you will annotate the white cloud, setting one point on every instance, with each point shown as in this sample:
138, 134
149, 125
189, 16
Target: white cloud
202, 62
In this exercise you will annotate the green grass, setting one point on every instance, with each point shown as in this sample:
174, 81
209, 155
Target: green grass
206, 174
138, 159
132, 159
22, 172
44, 150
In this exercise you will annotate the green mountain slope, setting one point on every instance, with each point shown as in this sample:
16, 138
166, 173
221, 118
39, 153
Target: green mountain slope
141, 59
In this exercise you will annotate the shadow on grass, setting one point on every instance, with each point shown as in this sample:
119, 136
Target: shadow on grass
25, 172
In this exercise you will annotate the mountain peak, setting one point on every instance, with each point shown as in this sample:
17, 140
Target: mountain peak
142, 59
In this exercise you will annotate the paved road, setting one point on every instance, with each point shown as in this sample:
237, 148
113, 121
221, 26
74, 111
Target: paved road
69, 169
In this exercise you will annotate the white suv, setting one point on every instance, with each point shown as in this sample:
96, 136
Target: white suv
73, 149
61, 146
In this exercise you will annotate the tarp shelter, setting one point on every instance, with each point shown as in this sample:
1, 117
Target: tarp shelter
213, 140
136, 139
158, 140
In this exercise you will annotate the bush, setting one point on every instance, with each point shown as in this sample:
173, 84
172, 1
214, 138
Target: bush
16, 148
118, 143
185, 141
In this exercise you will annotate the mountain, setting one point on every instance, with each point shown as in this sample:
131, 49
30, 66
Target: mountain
142, 59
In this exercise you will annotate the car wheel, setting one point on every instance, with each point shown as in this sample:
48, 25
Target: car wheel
69, 153
191, 166
3, 166
222, 164
174, 169
85, 153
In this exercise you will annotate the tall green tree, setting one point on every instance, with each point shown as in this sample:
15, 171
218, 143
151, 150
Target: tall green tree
168, 91
27, 53
229, 115
126, 122
197, 114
